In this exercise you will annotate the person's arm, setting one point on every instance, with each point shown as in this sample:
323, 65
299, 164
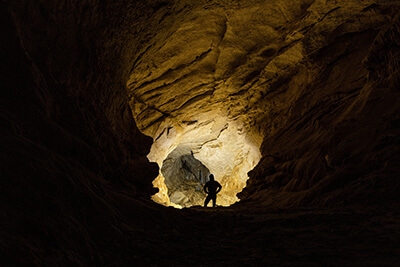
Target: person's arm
206, 189
219, 188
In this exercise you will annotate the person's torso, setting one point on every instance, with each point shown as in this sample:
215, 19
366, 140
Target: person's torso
212, 186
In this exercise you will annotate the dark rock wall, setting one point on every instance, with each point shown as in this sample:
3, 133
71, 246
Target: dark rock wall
74, 169
341, 144
69, 145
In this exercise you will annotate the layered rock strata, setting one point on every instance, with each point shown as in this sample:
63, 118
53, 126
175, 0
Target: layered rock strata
310, 87
297, 76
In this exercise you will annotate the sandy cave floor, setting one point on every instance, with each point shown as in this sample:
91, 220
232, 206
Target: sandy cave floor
351, 236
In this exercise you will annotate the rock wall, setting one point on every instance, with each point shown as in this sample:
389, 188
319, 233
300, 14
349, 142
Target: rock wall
340, 145
185, 177
316, 82
300, 75
72, 158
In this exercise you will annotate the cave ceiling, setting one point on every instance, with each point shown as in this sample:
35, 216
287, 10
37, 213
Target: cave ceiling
221, 76
242, 60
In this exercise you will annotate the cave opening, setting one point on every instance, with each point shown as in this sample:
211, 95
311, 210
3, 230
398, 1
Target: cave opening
188, 151
184, 177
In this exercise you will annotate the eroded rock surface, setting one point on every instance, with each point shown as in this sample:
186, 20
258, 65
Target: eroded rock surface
220, 144
70, 151
310, 87
185, 177
295, 74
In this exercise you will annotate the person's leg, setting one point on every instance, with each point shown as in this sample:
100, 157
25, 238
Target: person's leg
207, 200
214, 199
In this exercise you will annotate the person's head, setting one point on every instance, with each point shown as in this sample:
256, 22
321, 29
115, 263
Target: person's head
211, 177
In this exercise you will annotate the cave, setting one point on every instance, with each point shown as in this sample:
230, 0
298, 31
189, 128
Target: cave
114, 113
184, 178
187, 152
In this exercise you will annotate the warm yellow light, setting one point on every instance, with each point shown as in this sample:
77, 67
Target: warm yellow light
162, 196
222, 145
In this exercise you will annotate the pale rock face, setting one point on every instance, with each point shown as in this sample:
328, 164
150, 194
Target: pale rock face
221, 78
185, 177
223, 146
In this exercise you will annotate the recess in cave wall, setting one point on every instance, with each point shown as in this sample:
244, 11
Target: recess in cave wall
209, 143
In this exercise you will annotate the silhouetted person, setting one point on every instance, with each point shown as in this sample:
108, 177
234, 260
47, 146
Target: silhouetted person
211, 188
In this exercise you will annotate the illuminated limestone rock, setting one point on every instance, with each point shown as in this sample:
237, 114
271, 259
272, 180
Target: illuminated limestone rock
222, 78
223, 146
185, 177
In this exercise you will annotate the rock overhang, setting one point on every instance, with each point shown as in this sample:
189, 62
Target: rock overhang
254, 64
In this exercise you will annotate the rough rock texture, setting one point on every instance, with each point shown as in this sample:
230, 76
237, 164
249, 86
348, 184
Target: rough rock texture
70, 149
222, 145
300, 75
348, 148
311, 85
185, 177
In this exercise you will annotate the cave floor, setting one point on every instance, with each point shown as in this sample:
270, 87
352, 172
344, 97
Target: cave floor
351, 236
